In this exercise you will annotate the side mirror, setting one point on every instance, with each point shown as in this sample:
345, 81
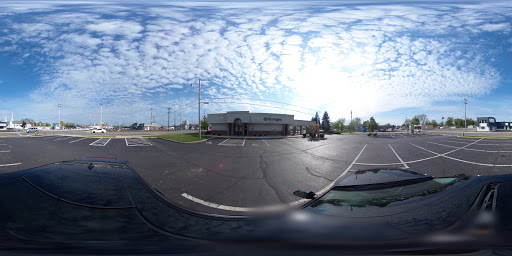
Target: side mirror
305, 194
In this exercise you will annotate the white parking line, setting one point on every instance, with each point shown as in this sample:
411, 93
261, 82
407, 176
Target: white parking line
283, 140
5, 151
19, 134
472, 149
266, 143
436, 155
77, 140
223, 141
243, 143
136, 142
460, 160
402, 161
65, 138
273, 207
3, 165
100, 142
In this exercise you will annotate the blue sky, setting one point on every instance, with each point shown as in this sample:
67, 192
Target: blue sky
390, 61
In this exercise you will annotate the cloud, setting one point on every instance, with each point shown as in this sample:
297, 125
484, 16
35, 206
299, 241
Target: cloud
370, 58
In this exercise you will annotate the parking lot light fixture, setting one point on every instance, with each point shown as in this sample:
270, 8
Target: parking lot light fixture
59, 116
199, 107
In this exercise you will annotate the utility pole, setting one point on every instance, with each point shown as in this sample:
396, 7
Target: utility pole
59, 117
181, 130
174, 120
90, 119
151, 118
168, 115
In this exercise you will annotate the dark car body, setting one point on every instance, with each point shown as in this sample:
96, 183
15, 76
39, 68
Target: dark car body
103, 206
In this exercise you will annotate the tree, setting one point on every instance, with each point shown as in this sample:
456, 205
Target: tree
28, 120
313, 130
339, 124
415, 120
204, 124
326, 122
441, 123
471, 122
62, 124
371, 125
23, 124
407, 122
422, 118
449, 121
356, 122
434, 123
459, 122
316, 118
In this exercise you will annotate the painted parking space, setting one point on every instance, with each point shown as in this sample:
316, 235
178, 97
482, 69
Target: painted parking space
5, 155
136, 142
100, 142
64, 138
233, 142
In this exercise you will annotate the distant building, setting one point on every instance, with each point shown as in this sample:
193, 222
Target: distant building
152, 127
137, 126
489, 124
243, 123
3, 125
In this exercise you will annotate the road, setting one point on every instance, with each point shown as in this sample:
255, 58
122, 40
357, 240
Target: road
235, 176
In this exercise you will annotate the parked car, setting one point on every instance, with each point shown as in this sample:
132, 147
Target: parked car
31, 129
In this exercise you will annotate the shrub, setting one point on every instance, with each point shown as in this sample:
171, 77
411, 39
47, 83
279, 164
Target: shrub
369, 134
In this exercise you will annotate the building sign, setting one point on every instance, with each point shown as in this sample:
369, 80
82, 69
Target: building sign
272, 119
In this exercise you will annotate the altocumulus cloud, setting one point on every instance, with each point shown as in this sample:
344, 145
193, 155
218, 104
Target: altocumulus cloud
323, 56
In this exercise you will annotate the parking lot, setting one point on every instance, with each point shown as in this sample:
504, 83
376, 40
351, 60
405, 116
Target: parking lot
236, 175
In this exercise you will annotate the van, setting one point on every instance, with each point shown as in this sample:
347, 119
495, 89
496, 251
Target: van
31, 129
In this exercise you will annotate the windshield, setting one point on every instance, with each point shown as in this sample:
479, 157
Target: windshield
224, 109
378, 197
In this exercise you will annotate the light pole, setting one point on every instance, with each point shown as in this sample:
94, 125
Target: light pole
181, 131
59, 117
168, 115
350, 122
199, 107
465, 120
101, 115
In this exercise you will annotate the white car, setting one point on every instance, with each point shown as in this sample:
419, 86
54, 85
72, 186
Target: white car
31, 129
98, 130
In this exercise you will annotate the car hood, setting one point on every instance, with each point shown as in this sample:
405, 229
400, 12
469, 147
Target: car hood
101, 205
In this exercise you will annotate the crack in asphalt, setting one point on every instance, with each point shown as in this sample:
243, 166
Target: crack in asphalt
316, 175
262, 167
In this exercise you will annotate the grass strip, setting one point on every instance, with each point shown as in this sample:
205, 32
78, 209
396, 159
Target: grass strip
186, 137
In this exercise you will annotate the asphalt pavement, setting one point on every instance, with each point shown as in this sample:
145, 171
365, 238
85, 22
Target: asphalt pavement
238, 175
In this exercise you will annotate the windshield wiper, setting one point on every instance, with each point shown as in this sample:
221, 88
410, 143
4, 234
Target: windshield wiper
384, 185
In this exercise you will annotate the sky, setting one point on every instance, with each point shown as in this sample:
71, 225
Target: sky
387, 60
